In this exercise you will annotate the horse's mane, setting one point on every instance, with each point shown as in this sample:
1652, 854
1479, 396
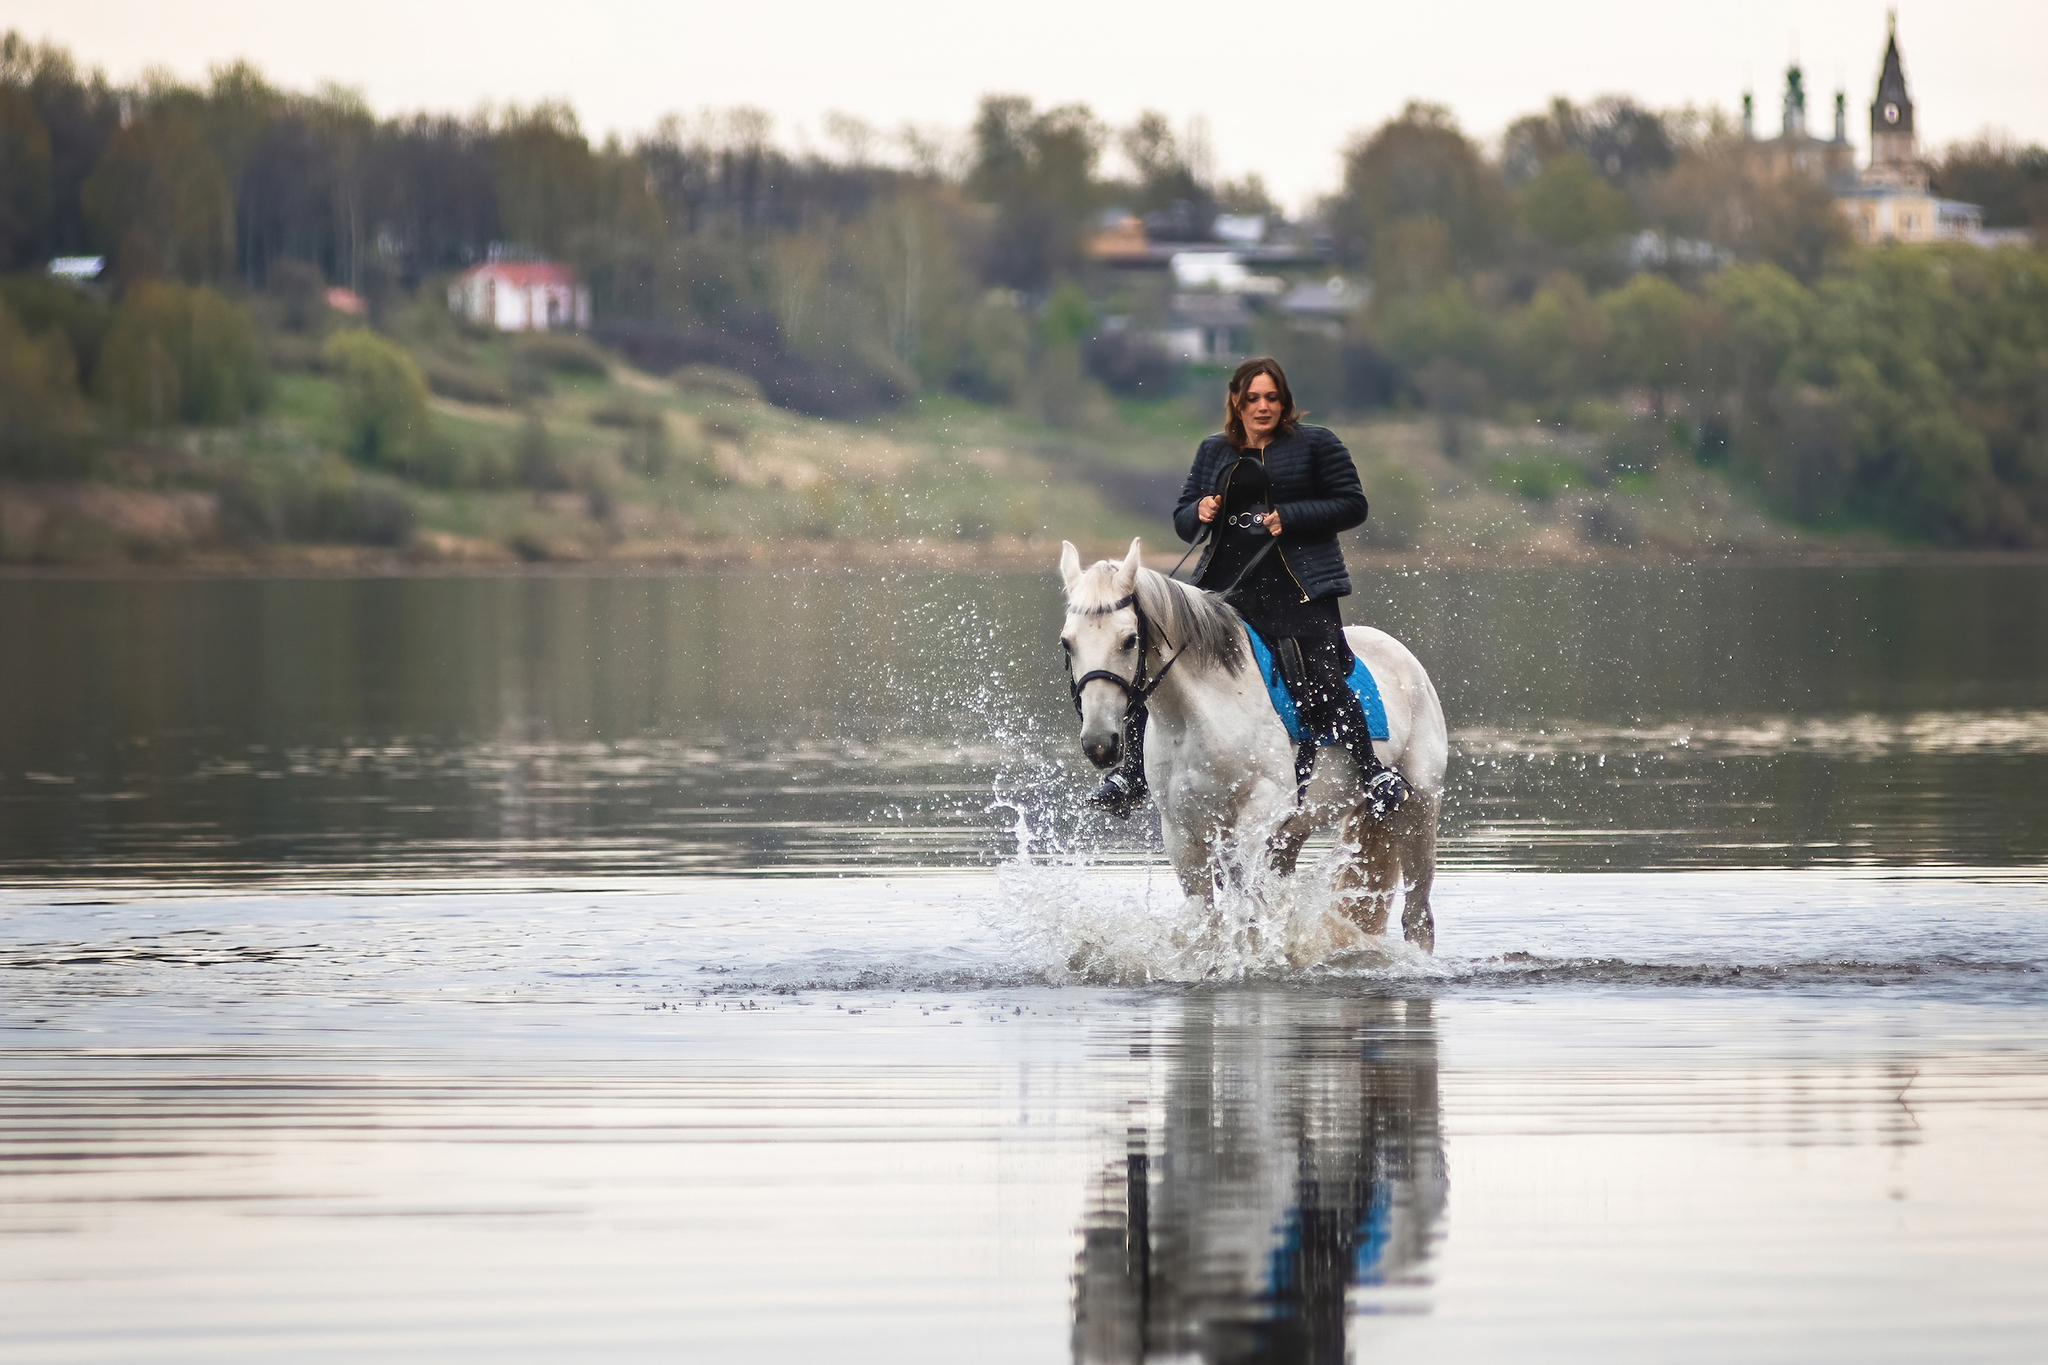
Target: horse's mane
1197, 623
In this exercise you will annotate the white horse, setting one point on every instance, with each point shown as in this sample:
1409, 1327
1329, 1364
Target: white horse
1218, 758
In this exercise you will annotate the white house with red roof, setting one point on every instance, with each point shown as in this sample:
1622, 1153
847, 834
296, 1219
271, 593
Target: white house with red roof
521, 296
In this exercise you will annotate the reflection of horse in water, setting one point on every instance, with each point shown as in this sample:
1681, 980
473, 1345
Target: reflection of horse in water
1300, 1158
1219, 759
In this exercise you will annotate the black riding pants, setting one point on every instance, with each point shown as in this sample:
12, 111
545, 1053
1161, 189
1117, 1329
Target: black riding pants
1322, 692
1321, 687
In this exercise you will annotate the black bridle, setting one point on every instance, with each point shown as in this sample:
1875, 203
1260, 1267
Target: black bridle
1136, 688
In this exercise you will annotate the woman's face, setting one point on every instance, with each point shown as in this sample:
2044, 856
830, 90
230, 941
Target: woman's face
1259, 408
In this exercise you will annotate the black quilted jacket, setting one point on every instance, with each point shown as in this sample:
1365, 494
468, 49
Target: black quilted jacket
1314, 488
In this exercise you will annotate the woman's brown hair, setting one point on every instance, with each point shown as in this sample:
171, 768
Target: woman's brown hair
1233, 401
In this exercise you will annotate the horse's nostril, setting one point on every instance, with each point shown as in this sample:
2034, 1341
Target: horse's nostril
1101, 752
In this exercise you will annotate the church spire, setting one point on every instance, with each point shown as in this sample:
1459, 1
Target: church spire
1894, 146
1892, 110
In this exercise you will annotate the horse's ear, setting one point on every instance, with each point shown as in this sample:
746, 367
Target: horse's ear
1070, 564
1127, 572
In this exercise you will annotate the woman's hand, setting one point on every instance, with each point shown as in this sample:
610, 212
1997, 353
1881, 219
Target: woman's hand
1205, 510
1272, 523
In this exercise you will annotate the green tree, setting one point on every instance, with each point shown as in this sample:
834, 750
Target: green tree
79, 113
346, 134
384, 416
1557, 346
1568, 206
160, 198
2008, 181
42, 303
1918, 349
181, 353
1166, 175
1448, 344
26, 192
899, 266
1625, 144
1419, 166
46, 430
547, 178
617, 240
1723, 193
1759, 319
1652, 335
1067, 318
1038, 170
995, 362
1447, 322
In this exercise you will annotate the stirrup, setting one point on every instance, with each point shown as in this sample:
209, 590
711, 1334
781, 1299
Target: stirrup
1118, 795
1385, 790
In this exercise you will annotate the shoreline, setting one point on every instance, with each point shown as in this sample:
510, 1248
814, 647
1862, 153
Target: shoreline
349, 561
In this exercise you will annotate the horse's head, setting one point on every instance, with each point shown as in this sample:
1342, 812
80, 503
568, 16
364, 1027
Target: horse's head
1103, 638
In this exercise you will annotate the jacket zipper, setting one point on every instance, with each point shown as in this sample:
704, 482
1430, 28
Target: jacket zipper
1290, 571
1277, 550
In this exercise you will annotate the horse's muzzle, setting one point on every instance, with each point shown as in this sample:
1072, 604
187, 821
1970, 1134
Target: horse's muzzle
1103, 752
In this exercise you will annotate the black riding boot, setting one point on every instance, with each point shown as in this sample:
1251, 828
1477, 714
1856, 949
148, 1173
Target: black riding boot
1338, 713
1120, 792
1385, 788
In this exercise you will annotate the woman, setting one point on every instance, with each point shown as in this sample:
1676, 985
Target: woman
1272, 494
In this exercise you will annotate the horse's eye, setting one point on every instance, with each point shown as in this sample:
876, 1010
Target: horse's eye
1130, 641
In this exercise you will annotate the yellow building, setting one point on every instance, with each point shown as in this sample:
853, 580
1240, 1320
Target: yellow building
1883, 213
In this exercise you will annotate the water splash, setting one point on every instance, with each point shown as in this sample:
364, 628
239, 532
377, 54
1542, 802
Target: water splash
1069, 923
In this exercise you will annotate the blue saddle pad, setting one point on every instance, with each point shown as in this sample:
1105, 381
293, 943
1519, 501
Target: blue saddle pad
1361, 681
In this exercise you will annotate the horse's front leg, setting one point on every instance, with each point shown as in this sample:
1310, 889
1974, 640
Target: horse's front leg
1190, 853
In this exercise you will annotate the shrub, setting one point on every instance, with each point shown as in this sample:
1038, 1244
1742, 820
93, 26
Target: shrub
301, 291
1536, 477
995, 364
558, 354
181, 353
467, 384
42, 304
713, 379
383, 399
646, 450
327, 502
1637, 445
45, 431
823, 384
538, 467
293, 353
1131, 364
527, 378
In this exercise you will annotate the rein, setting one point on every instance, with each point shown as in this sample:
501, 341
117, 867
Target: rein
1136, 689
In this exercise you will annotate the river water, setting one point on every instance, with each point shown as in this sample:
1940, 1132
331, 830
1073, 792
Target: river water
691, 967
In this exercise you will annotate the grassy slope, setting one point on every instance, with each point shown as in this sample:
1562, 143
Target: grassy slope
940, 478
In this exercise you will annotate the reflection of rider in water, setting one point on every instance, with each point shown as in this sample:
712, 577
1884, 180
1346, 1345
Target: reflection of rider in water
1301, 1159
1271, 495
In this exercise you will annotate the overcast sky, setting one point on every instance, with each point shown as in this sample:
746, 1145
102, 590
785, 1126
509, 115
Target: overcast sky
1282, 85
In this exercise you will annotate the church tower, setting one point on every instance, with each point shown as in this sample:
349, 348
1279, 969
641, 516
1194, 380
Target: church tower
1894, 147
1795, 102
